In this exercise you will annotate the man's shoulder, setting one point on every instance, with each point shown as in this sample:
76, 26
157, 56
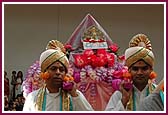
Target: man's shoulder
34, 93
152, 96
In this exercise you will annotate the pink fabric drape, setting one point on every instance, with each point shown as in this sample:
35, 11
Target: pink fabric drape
103, 92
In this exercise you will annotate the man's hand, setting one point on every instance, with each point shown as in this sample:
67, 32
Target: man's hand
125, 94
73, 92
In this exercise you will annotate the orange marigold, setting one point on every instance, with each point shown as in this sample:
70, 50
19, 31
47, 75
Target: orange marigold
68, 78
152, 75
162, 87
44, 75
127, 75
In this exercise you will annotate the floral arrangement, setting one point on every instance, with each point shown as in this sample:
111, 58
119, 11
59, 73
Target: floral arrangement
162, 87
100, 65
96, 59
68, 83
32, 80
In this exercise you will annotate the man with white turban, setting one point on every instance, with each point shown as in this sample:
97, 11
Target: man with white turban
52, 97
139, 59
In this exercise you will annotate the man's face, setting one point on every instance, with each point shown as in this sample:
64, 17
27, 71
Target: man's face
57, 72
140, 72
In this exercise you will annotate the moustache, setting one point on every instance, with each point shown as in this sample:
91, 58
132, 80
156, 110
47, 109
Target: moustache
57, 77
140, 76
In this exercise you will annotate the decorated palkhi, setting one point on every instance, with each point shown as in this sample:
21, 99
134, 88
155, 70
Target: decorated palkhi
95, 64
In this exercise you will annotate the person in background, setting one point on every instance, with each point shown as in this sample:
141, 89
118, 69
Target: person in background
14, 83
19, 81
53, 97
140, 62
6, 85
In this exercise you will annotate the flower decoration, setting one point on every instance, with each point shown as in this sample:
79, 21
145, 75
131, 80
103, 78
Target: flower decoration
99, 71
79, 61
100, 65
114, 48
68, 47
68, 83
32, 80
162, 87
152, 75
121, 58
96, 59
77, 77
116, 83
45, 75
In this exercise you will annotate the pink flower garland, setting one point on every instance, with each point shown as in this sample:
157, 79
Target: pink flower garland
32, 80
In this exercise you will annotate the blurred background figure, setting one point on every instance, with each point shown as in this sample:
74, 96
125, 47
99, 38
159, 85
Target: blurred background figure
6, 85
19, 81
13, 82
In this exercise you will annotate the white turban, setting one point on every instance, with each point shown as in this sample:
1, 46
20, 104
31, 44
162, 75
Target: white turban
137, 52
49, 56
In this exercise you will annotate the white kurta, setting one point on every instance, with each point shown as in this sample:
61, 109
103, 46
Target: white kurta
153, 102
79, 103
115, 103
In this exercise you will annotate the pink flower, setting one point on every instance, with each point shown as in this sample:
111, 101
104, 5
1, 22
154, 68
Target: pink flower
68, 85
127, 86
116, 84
77, 77
117, 74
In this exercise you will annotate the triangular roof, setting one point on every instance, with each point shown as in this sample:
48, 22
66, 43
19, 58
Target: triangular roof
88, 21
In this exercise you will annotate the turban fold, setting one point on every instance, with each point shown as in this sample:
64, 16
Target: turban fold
52, 55
139, 49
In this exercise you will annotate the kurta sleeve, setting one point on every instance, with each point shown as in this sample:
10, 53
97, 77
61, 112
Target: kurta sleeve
115, 103
29, 104
80, 103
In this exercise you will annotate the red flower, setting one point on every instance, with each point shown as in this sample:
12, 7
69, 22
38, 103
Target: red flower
68, 47
122, 57
79, 61
114, 47
86, 39
117, 74
110, 59
88, 52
